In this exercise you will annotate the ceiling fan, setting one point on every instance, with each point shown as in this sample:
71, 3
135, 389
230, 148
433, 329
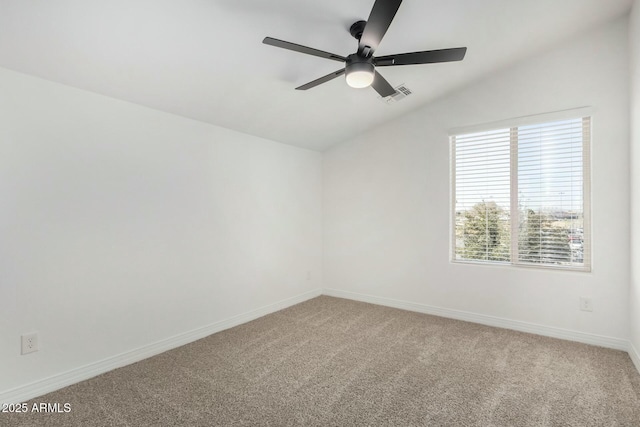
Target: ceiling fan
360, 67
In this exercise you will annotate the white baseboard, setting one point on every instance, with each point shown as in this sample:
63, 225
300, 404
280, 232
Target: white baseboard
56, 382
517, 325
634, 354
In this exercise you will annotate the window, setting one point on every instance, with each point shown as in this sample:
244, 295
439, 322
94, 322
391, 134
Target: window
520, 194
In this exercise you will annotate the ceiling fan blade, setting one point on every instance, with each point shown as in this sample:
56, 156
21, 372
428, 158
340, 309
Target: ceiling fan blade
377, 25
302, 49
382, 86
425, 57
321, 80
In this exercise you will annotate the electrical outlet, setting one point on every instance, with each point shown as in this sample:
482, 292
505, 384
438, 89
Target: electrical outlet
308, 275
29, 343
586, 304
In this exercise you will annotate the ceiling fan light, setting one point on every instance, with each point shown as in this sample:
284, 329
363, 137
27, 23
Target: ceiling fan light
360, 79
360, 74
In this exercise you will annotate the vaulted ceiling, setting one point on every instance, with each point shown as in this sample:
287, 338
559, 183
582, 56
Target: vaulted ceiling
204, 59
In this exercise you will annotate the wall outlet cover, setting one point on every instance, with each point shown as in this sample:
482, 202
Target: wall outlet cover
586, 304
29, 343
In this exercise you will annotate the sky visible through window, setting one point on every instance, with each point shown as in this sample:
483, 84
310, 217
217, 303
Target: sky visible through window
550, 167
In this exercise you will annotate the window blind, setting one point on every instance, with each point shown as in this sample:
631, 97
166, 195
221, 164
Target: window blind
482, 213
521, 195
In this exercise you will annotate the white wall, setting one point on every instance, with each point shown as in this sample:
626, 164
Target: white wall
634, 294
386, 196
121, 226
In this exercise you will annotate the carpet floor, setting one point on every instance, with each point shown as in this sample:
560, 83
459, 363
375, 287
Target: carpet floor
335, 362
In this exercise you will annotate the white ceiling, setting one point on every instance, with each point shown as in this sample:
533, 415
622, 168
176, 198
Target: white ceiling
204, 59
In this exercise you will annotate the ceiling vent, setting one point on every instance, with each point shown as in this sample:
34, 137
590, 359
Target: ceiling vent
401, 92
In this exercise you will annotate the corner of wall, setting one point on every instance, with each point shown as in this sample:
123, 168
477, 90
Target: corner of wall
634, 285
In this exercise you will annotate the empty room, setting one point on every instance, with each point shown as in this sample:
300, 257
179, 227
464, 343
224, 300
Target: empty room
336, 213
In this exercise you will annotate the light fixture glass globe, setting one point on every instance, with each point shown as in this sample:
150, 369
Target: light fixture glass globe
360, 79
359, 72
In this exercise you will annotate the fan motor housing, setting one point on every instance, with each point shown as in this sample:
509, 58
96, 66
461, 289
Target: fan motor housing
359, 71
356, 63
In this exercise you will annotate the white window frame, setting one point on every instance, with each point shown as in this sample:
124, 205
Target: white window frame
513, 124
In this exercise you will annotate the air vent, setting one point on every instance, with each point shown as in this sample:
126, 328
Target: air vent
401, 92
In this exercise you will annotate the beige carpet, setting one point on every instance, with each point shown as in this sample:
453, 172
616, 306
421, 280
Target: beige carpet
334, 362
